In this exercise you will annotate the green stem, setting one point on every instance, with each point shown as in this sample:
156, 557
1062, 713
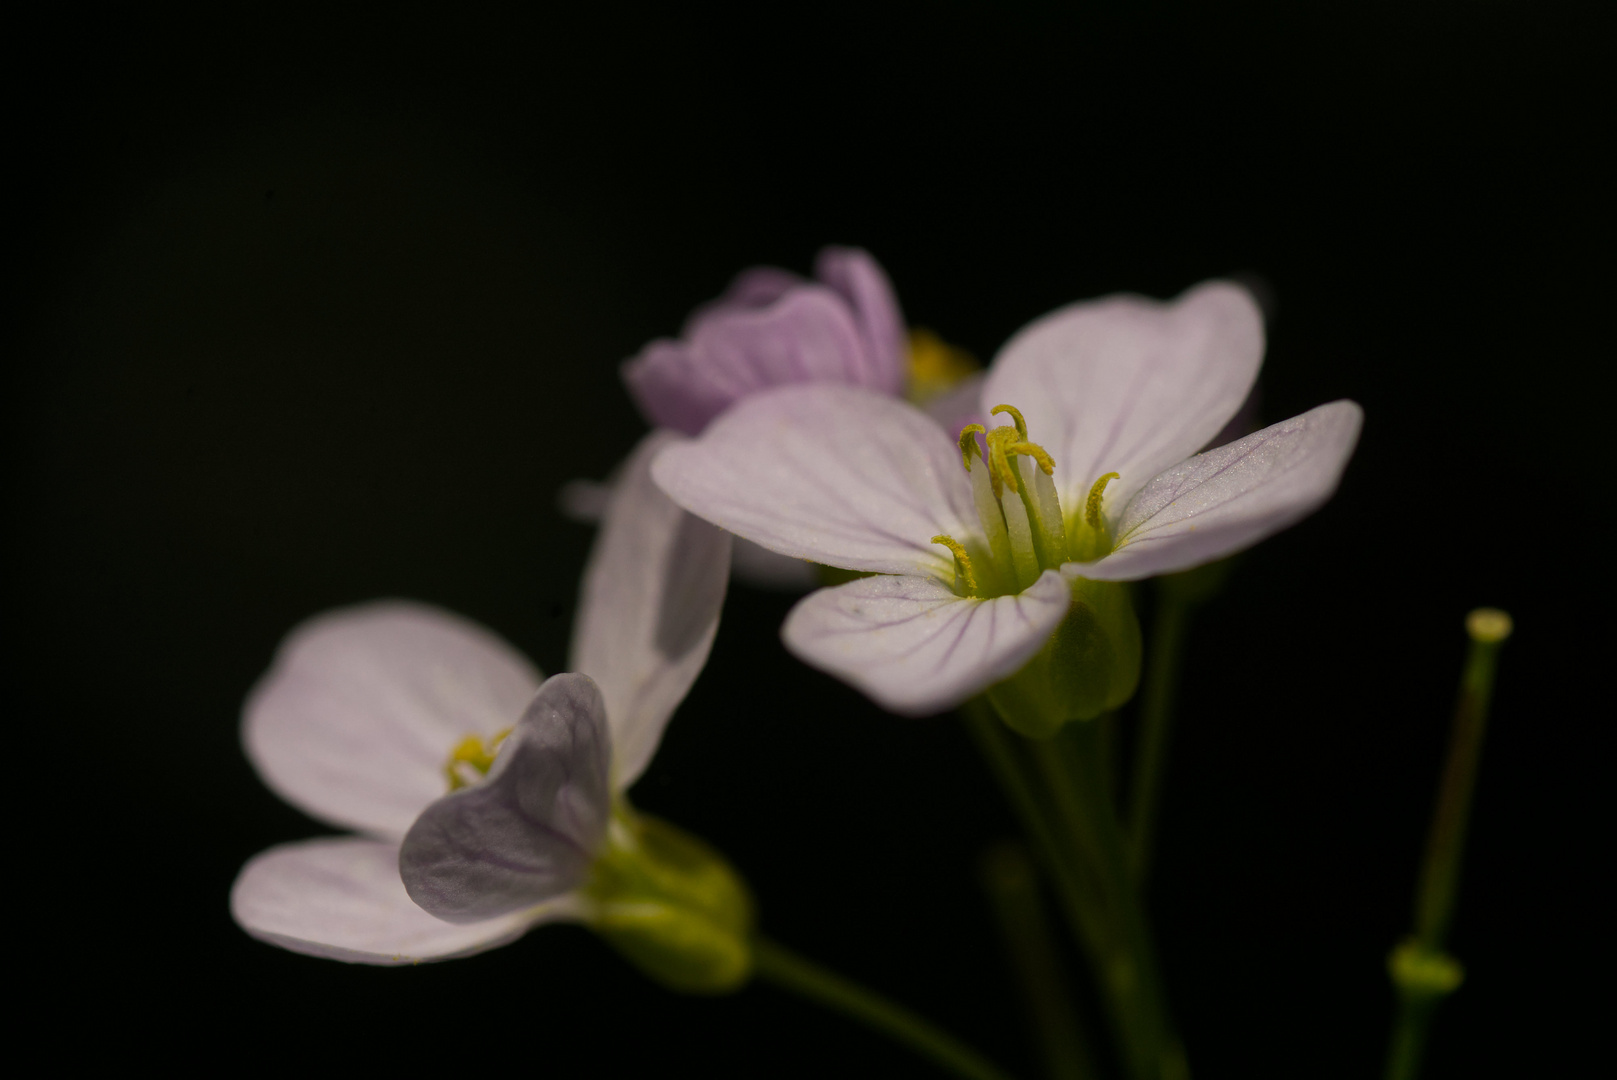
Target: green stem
1082, 900
1422, 973
790, 971
1013, 889
1071, 765
1156, 724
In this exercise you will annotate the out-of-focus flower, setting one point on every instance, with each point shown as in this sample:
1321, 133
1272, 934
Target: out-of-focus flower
369, 714
774, 328
1007, 566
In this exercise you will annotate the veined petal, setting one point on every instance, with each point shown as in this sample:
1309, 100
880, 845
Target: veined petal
528, 833
1229, 498
861, 281
808, 335
835, 474
341, 898
1129, 385
362, 706
648, 608
917, 648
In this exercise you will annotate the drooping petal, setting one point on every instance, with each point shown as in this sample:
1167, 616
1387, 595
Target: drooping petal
835, 474
341, 898
360, 710
914, 646
808, 335
1229, 498
861, 281
528, 832
1129, 385
648, 608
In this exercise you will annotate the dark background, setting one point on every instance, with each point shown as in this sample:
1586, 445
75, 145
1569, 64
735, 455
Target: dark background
312, 306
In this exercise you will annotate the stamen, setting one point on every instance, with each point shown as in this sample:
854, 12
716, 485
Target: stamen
968, 443
1092, 506
1003, 470
962, 563
1016, 415
470, 751
1037, 453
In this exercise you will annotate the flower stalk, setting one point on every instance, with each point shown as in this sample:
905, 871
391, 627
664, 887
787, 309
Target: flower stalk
776, 964
1422, 972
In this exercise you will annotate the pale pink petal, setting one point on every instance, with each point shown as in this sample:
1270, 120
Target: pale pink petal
960, 405
362, 706
863, 283
1228, 499
917, 648
1129, 385
648, 607
529, 831
341, 898
835, 474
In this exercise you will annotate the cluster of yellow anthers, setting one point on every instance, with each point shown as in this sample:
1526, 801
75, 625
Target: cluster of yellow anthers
1029, 535
473, 753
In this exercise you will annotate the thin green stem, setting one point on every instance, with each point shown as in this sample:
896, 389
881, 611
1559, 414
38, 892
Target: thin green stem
790, 971
1082, 899
1422, 973
1156, 727
1071, 765
1013, 889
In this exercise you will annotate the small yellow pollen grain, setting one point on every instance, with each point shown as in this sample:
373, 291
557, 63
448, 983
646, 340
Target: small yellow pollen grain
968, 443
962, 562
1092, 506
1036, 452
1016, 415
1488, 626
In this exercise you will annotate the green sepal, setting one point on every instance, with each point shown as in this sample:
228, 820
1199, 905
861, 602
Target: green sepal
672, 906
1089, 666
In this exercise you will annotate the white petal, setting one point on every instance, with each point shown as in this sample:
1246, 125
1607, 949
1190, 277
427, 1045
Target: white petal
356, 717
341, 898
836, 474
1129, 385
527, 833
648, 607
916, 647
1228, 499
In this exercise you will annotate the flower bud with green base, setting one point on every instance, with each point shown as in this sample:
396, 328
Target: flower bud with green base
672, 905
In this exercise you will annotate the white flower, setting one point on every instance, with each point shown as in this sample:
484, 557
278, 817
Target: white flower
370, 713
980, 565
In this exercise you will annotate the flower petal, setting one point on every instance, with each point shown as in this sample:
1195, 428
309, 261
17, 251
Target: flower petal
1228, 499
648, 608
808, 335
835, 474
528, 833
916, 647
1129, 385
341, 898
360, 710
861, 281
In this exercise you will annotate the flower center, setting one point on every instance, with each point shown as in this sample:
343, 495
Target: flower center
471, 759
1023, 526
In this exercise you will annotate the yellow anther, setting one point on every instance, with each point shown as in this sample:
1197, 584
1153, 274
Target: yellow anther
1092, 506
1036, 452
1001, 469
968, 443
962, 562
471, 751
1016, 415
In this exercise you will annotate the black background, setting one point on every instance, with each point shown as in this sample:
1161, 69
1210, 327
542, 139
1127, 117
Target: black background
313, 306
